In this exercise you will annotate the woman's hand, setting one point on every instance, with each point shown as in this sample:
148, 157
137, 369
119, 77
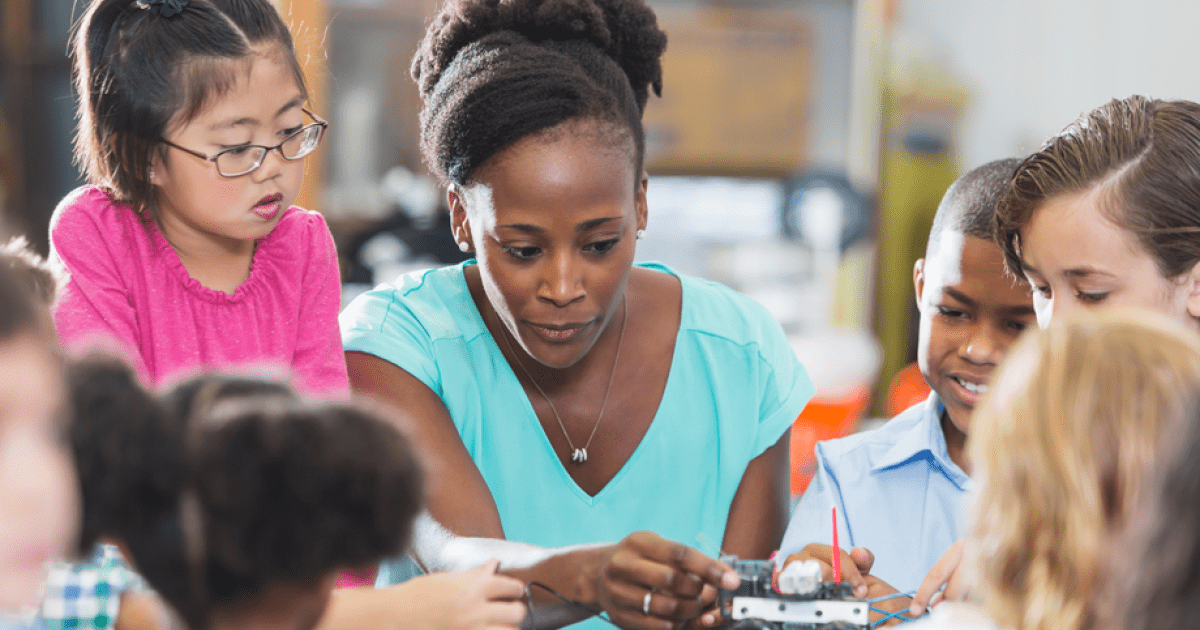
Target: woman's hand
680, 581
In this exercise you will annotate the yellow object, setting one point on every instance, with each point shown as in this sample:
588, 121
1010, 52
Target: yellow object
917, 167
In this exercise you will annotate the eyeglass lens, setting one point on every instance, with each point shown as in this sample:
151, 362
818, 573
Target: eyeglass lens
242, 160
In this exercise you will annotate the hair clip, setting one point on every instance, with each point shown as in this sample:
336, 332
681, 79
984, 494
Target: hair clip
164, 8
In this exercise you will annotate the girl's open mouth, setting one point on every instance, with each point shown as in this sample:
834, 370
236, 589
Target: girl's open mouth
267, 207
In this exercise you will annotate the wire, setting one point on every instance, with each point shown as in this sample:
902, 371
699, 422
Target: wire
892, 596
591, 610
888, 616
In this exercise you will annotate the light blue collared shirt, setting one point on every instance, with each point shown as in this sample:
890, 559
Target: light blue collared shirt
897, 493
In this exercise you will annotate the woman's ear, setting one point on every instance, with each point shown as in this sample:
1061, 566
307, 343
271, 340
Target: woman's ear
1192, 283
640, 201
460, 226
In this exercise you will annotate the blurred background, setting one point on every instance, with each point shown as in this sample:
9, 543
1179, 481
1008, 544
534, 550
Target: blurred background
798, 153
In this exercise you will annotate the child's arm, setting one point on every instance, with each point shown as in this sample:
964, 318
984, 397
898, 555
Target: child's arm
319, 363
95, 304
478, 599
949, 571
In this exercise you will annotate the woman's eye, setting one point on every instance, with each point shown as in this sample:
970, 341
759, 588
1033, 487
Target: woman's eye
1017, 326
1044, 291
602, 247
238, 150
290, 130
521, 253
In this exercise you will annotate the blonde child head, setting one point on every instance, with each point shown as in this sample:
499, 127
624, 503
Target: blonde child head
1060, 447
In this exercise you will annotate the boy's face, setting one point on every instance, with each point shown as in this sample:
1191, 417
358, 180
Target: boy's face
39, 502
971, 310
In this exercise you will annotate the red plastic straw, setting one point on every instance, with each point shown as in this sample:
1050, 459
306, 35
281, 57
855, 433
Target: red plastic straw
837, 553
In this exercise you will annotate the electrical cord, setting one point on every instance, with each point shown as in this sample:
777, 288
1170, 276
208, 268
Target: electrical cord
593, 611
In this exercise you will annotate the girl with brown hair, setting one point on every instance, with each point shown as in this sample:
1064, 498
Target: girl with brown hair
1107, 212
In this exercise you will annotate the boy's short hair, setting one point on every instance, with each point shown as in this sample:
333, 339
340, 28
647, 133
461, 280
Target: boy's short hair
969, 205
30, 269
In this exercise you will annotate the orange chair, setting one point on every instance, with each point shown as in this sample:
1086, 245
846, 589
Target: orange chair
908, 389
822, 419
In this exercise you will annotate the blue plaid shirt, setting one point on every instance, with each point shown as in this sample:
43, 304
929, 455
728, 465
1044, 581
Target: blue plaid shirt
87, 595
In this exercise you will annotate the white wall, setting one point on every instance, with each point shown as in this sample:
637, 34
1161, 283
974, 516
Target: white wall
1034, 65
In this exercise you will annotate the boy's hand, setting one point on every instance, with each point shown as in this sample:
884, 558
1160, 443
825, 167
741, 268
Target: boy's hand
948, 571
855, 564
856, 571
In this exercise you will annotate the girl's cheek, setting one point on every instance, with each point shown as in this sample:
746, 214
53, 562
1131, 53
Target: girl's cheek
226, 191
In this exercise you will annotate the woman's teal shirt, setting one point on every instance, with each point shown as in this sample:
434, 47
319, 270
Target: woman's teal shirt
733, 389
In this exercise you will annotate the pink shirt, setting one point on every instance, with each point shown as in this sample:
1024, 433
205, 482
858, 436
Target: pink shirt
126, 284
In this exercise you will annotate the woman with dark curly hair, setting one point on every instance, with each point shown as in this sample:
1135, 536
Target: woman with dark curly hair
565, 397
238, 502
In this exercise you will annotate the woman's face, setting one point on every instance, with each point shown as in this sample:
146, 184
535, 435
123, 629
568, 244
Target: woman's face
1076, 257
552, 221
39, 495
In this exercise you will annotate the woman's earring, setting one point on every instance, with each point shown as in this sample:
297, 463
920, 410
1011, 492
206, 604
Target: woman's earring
151, 174
641, 234
464, 246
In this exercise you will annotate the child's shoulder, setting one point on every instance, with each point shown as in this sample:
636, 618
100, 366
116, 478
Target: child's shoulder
88, 222
303, 227
89, 207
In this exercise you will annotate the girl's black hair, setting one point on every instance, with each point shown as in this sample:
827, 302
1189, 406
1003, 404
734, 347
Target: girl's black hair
138, 71
228, 485
492, 72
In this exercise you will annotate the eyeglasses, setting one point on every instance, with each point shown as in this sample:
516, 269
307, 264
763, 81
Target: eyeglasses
245, 159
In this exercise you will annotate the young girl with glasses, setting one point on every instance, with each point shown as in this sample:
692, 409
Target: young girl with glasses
185, 247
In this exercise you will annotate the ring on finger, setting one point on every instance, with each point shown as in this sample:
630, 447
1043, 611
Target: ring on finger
646, 603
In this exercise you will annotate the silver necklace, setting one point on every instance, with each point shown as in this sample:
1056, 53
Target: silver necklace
578, 455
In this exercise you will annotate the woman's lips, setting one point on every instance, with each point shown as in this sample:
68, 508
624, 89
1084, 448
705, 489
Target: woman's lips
557, 334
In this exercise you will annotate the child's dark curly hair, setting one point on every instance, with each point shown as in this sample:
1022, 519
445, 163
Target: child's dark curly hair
492, 72
233, 484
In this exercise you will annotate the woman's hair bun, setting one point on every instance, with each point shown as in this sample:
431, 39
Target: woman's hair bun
624, 30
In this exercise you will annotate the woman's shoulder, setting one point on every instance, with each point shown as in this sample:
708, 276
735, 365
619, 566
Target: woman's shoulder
713, 309
437, 301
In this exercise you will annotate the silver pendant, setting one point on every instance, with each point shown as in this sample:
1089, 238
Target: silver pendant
580, 456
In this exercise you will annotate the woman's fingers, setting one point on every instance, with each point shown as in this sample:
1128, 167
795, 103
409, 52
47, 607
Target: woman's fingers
651, 574
658, 604
683, 558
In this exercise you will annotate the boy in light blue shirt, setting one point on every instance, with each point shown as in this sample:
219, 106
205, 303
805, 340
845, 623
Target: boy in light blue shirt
901, 490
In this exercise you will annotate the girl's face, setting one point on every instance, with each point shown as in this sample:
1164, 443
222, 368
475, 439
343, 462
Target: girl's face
39, 495
199, 208
1076, 257
553, 222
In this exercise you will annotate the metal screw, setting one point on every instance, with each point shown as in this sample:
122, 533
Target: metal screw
819, 613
